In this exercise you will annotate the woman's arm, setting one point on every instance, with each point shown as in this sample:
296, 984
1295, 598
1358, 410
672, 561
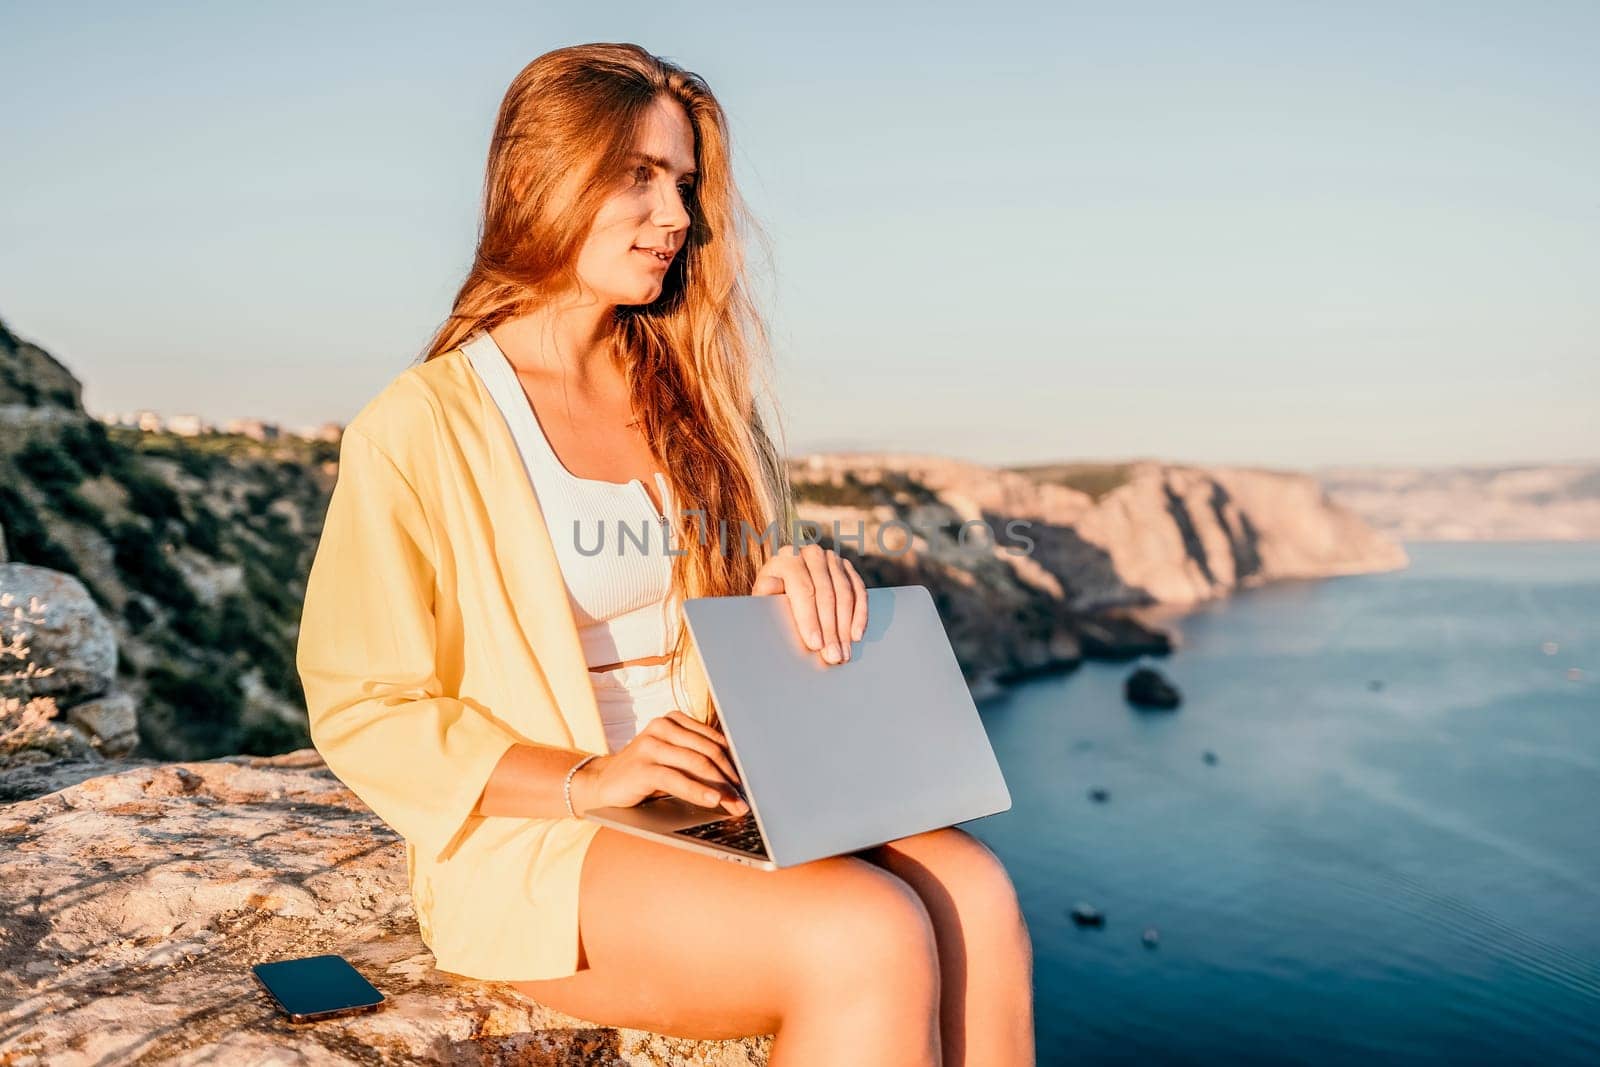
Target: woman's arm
527, 782
366, 654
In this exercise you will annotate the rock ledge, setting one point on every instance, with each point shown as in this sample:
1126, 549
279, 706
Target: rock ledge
133, 904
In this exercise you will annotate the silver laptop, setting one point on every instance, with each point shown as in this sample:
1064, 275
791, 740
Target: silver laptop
832, 757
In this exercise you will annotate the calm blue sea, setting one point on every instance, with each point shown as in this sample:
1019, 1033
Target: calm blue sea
1403, 875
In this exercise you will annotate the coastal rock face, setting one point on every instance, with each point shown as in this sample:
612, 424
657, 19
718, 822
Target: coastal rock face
1145, 533
133, 904
1180, 535
1037, 568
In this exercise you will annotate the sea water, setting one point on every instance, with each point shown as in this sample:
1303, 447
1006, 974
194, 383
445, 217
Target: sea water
1395, 857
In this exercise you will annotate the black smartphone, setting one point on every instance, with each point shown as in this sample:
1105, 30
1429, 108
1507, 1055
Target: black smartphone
317, 987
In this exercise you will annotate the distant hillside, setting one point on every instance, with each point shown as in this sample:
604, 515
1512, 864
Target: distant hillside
195, 549
1527, 502
31, 378
1111, 535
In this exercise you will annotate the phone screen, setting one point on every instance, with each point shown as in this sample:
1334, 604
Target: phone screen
317, 985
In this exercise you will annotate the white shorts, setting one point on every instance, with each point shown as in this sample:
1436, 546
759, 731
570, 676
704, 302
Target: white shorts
631, 696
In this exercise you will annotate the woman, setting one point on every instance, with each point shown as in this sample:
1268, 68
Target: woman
480, 677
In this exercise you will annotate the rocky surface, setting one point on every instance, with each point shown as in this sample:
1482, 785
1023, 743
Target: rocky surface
133, 904
1036, 569
58, 672
1148, 533
63, 628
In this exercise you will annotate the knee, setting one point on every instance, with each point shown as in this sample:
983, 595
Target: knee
987, 897
871, 932
968, 886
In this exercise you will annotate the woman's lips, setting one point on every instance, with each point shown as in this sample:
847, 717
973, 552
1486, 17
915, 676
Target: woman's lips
653, 258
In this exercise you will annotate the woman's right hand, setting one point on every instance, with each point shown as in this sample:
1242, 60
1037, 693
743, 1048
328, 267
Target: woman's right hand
673, 754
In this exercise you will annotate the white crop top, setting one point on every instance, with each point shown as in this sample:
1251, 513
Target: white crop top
610, 540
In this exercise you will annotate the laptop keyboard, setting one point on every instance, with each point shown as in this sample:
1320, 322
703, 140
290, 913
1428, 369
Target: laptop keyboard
738, 832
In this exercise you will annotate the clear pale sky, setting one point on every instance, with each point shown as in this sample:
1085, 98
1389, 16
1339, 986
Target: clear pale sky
1287, 234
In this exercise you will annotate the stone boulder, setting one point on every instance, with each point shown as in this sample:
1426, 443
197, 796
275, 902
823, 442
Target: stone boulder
58, 660
110, 722
133, 904
1149, 688
65, 631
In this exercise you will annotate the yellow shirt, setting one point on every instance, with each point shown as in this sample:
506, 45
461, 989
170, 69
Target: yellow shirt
436, 632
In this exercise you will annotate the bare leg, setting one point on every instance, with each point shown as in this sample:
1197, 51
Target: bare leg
985, 953
836, 957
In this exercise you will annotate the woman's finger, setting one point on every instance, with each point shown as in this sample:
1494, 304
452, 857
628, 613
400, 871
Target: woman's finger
844, 603
858, 626
656, 748
681, 735
697, 764
798, 590
824, 598
676, 783
684, 719
773, 576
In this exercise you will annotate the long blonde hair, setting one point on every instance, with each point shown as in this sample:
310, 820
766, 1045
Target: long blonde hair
564, 131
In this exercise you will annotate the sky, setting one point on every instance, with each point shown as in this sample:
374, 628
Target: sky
1283, 234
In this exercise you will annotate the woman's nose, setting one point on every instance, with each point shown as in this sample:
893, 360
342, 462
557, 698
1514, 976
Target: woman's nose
670, 211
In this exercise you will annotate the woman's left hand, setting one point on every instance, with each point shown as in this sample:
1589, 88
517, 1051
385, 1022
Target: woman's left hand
827, 597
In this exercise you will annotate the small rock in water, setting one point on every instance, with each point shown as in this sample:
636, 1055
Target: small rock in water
1085, 914
1375, 685
1099, 793
1551, 648
1151, 937
1574, 674
1209, 756
1147, 688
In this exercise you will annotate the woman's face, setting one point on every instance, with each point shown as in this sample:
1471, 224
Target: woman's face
649, 210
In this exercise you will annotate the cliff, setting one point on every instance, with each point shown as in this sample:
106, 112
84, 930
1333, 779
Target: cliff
1037, 568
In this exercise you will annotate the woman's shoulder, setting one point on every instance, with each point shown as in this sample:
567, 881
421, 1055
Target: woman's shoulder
416, 404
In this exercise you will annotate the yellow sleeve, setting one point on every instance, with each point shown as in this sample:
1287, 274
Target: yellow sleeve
366, 658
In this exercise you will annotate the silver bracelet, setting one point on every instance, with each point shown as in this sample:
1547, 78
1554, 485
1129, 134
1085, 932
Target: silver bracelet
566, 786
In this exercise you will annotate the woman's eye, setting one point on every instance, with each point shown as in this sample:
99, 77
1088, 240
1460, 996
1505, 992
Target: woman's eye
641, 176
